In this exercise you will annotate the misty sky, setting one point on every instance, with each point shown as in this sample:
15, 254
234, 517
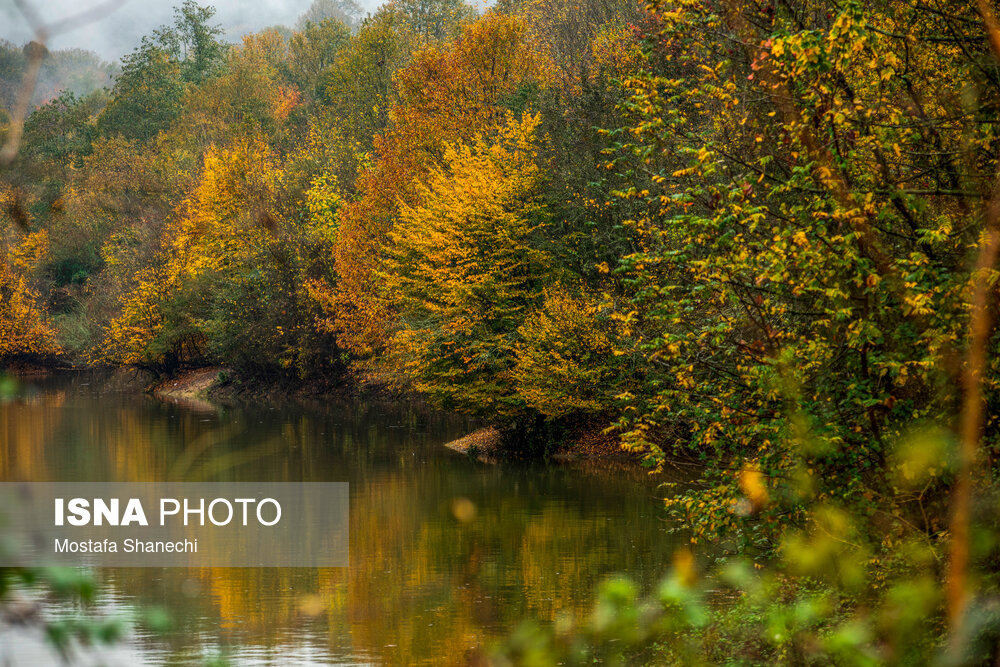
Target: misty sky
120, 32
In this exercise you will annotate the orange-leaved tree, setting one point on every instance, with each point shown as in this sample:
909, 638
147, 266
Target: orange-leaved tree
448, 94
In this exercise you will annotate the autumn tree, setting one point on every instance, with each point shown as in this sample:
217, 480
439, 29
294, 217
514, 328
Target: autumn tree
358, 85
147, 94
59, 134
465, 271
312, 50
248, 98
566, 357
567, 30
23, 329
434, 20
192, 41
446, 94
811, 189
176, 310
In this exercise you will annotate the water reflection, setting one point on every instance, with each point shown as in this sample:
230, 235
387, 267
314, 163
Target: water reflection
446, 553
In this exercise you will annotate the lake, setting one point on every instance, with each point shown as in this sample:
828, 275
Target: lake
447, 554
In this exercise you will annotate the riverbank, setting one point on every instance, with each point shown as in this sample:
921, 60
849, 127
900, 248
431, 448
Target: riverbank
222, 384
489, 444
190, 385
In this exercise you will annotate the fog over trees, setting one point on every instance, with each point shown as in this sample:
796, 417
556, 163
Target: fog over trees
117, 34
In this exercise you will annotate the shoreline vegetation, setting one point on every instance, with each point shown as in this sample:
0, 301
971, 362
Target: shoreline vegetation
760, 238
487, 444
207, 387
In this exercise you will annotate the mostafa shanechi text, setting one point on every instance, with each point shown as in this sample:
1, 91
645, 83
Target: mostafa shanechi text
178, 524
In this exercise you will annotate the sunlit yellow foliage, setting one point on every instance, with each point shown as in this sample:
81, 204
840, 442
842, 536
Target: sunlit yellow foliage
23, 330
322, 201
135, 336
231, 213
448, 93
463, 271
31, 250
224, 232
565, 357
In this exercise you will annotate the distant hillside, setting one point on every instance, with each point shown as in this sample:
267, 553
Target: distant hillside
75, 70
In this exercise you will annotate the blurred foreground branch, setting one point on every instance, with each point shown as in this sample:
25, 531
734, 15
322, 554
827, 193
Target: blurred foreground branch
36, 54
980, 331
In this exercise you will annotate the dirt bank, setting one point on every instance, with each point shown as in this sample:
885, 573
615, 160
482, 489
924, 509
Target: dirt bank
223, 385
483, 445
188, 385
491, 445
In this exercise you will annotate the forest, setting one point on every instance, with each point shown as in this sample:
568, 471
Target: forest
754, 238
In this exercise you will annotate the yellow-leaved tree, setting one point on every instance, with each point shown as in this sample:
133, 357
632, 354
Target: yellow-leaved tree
465, 270
23, 330
213, 290
448, 93
566, 362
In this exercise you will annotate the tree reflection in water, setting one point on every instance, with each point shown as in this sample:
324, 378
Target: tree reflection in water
447, 554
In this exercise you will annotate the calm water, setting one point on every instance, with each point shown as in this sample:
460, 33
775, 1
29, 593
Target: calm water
423, 586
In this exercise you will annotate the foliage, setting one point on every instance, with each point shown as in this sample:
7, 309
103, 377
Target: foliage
565, 357
463, 271
741, 234
23, 329
346, 12
434, 20
226, 284
147, 93
801, 268
446, 95
313, 50
192, 42
58, 131
802, 293
358, 85
739, 616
